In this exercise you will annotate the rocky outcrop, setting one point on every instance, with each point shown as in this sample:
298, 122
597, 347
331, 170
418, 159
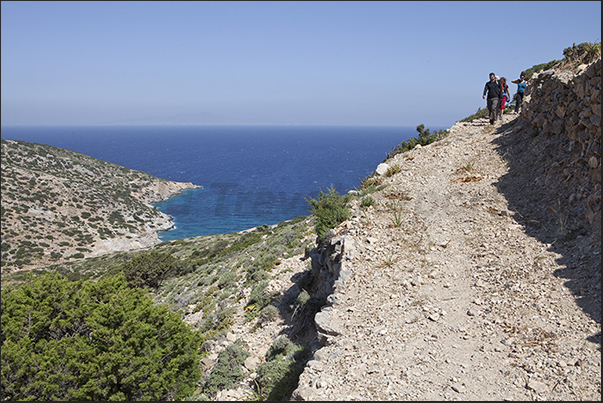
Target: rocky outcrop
161, 190
563, 103
330, 270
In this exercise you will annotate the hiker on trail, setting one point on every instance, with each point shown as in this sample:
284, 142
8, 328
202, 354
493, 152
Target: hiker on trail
505, 97
521, 87
493, 90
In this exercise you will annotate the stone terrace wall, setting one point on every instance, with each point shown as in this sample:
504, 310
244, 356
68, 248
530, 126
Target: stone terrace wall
568, 103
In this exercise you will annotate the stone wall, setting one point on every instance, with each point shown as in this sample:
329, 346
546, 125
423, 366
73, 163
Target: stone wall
330, 269
567, 102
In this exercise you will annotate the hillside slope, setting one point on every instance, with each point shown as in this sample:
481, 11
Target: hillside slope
59, 205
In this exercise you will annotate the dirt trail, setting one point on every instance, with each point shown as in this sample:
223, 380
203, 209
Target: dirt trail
460, 285
450, 298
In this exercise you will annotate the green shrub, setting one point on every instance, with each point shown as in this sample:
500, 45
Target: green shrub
227, 371
226, 278
330, 209
306, 306
372, 183
268, 314
425, 138
302, 298
537, 68
480, 114
205, 301
392, 170
255, 274
225, 317
367, 201
259, 297
149, 269
93, 340
279, 375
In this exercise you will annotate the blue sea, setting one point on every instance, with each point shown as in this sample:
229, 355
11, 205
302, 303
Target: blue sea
250, 175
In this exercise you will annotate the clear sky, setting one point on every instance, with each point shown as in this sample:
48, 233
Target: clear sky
278, 62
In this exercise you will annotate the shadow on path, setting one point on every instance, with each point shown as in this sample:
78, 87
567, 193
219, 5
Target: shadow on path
537, 188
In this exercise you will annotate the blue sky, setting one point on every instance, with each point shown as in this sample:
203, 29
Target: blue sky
278, 62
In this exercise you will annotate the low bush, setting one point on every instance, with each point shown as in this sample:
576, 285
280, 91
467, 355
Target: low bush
258, 299
226, 278
479, 114
93, 340
227, 372
367, 201
392, 170
371, 183
329, 209
424, 138
279, 375
268, 314
537, 68
149, 269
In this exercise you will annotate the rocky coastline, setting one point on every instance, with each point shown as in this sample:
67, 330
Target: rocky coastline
60, 205
157, 192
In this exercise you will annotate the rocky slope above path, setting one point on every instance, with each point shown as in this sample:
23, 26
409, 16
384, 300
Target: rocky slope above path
59, 205
446, 290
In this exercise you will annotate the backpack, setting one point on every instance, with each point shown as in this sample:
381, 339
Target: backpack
504, 91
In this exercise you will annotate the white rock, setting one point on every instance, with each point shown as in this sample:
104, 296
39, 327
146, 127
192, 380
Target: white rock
382, 169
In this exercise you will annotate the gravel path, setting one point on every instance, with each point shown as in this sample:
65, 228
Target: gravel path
450, 298
450, 292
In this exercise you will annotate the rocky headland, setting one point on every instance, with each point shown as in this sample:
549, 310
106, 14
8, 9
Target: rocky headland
59, 205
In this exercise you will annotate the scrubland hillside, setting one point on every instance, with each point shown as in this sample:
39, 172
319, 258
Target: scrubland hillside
59, 205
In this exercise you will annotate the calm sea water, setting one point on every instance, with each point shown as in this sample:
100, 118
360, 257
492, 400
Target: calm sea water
251, 175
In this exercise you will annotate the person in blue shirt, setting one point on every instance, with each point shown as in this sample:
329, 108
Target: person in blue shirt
493, 90
521, 88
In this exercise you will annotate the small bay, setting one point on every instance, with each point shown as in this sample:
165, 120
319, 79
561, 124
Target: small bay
250, 175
